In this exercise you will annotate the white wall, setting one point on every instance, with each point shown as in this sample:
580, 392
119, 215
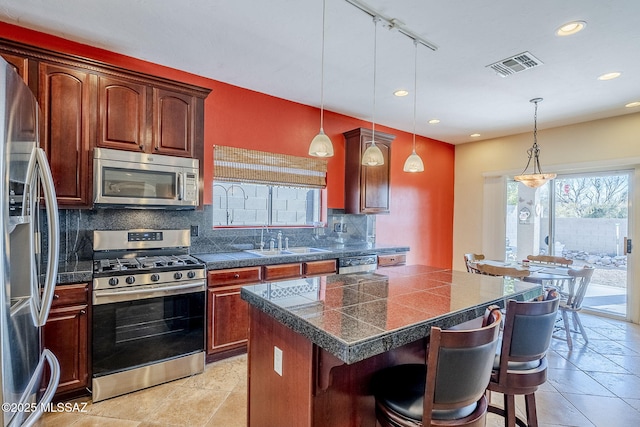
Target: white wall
601, 144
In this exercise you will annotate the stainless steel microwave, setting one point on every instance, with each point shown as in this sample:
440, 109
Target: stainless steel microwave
139, 180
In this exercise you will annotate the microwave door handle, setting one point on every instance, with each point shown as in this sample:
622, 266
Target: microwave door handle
41, 306
180, 186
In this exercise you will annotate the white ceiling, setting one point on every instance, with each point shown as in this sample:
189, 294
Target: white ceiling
274, 47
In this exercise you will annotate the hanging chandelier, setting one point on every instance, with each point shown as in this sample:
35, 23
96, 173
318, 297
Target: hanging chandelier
414, 162
537, 178
372, 156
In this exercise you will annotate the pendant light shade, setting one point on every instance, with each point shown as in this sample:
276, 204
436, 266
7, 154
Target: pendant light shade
536, 178
372, 156
414, 162
321, 145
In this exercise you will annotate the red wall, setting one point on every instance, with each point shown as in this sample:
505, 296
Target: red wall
421, 204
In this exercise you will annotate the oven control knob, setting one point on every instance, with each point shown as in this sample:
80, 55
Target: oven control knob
113, 281
191, 274
177, 275
130, 280
155, 277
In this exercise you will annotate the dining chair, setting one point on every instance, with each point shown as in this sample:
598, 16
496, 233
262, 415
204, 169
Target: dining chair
449, 388
497, 270
571, 303
550, 259
520, 365
469, 259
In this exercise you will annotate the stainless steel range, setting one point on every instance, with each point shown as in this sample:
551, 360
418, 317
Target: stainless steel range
148, 310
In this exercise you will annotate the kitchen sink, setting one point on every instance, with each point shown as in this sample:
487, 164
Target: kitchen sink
306, 250
290, 251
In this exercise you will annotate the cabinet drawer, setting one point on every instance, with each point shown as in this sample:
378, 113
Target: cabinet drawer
235, 276
70, 295
282, 271
391, 259
319, 267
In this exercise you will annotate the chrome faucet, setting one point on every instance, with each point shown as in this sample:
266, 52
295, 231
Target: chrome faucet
279, 240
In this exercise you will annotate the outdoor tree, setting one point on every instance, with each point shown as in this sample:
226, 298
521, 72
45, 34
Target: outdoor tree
592, 197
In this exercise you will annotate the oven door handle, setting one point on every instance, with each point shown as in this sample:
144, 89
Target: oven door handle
146, 290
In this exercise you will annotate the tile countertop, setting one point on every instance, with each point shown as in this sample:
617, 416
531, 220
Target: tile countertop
217, 261
357, 316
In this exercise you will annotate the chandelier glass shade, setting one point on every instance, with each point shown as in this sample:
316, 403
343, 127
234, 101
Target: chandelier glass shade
536, 178
321, 145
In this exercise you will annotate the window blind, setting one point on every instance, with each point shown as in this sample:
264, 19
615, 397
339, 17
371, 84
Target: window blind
261, 167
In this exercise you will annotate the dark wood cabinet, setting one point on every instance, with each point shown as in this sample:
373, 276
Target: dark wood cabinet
66, 334
312, 268
67, 99
367, 188
174, 122
388, 260
86, 104
123, 117
227, 313
282, 271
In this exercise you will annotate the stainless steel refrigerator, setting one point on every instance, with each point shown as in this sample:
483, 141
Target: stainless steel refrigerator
28, 256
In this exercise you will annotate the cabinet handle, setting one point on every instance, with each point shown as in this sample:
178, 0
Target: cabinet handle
83, 311
141, 147
156, 148
236, 276
56, 296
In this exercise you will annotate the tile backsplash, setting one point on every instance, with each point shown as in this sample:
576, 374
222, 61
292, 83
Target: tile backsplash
77, 230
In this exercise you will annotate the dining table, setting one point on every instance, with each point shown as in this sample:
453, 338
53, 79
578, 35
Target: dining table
544, 274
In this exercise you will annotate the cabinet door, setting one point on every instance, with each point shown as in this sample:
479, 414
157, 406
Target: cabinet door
19, 63
319, 267
228, 317
282, 271
66, 335
67, 101
367, 188
123, 123
173, 123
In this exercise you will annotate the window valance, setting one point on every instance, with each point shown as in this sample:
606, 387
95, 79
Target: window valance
242, 165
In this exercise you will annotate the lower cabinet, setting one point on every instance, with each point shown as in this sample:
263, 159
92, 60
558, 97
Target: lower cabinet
388, 260
66, 334
228, 314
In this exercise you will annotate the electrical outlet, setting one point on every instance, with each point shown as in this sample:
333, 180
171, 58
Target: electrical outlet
195, 230
277, 360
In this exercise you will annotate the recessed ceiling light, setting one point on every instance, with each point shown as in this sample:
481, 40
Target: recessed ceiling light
633, 104
610, 76
401, 92
571, 28
474, 135
434, 121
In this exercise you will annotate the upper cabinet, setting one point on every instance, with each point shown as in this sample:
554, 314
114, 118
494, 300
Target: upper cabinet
367, 188
86, 104
67, 99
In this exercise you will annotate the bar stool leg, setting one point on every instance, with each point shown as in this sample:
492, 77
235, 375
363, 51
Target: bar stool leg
532, 415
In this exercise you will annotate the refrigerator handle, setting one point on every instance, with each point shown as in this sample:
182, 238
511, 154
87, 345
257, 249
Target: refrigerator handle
42, 305
47, 396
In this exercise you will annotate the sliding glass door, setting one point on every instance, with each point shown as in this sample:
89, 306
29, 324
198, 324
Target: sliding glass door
583, 217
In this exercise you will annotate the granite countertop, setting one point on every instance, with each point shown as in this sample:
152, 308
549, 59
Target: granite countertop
74, 272
357, 316
216, 261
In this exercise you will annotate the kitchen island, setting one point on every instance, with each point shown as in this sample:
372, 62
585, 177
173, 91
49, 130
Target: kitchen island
314, 343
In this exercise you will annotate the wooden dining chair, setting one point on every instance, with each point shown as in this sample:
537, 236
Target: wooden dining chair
550, 259
469, 259
449, 388
521, 363
496, 270
571, 303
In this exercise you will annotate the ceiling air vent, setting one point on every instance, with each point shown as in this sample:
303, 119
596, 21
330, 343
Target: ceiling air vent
515, 64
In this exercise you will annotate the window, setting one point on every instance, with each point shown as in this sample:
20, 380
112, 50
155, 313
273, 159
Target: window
237, 204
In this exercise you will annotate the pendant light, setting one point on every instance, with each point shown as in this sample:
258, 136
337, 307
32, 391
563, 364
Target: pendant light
373, 156
321, 145
537, 178
414, 162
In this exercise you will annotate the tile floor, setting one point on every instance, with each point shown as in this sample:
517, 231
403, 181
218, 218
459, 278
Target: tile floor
597, 384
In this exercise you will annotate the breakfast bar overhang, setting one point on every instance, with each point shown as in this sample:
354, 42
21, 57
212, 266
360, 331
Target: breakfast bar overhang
314, 343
